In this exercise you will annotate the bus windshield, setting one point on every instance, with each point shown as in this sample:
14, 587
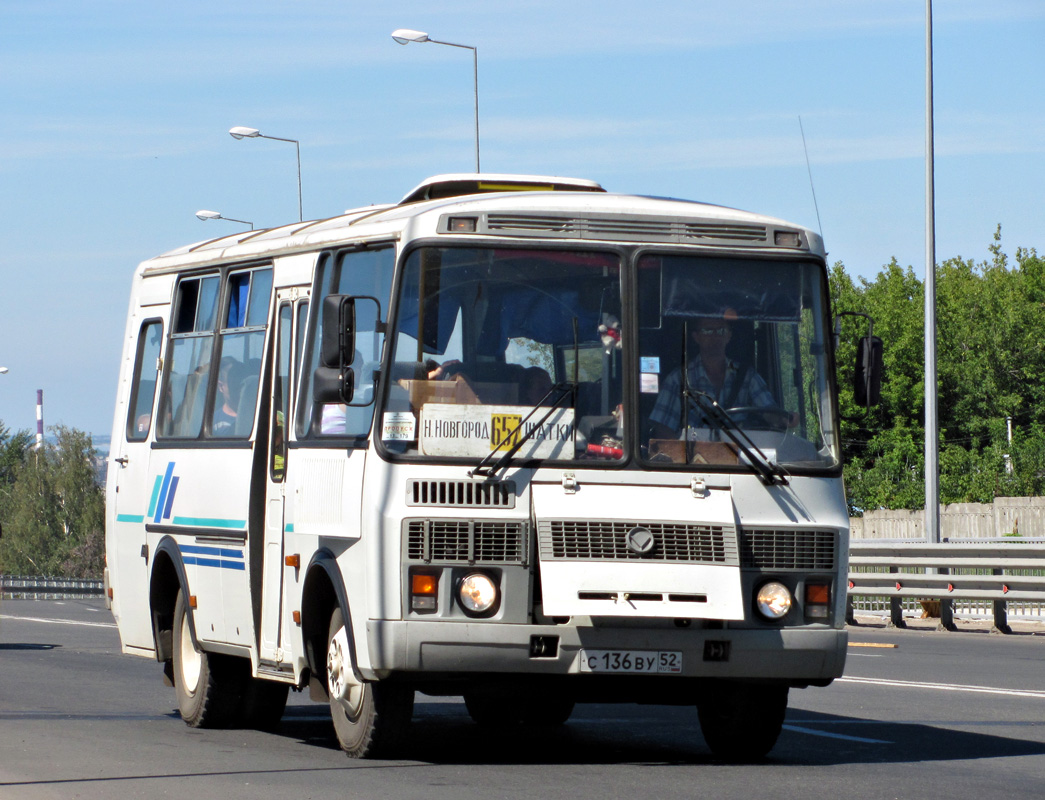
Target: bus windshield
753, 336
500, 348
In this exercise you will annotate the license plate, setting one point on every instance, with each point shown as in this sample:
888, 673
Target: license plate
632, 661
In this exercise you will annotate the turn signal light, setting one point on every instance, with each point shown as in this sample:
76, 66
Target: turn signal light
818, 600
424, 589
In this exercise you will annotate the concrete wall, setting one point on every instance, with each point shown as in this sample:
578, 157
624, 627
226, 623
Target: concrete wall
1024, 516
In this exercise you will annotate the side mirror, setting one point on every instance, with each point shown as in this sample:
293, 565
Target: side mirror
867, 376
330, 385
339, 330
334, 381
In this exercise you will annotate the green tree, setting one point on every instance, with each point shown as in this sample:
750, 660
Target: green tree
54, 513
990, 366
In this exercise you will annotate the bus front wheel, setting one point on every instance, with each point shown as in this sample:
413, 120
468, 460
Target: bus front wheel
370, 718
206, 683
741, 722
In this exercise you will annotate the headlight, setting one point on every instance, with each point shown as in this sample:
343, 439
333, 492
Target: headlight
774, 600
477, 593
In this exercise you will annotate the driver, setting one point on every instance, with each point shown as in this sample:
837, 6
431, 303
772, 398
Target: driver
710, 371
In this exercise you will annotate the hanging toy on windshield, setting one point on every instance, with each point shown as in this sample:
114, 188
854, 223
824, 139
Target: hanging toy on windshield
609, 332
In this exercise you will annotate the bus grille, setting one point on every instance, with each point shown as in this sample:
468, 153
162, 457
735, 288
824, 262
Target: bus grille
774, 549
460, 494
606, 540
467, 541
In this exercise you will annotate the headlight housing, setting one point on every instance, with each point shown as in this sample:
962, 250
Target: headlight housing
478, 595
774, 600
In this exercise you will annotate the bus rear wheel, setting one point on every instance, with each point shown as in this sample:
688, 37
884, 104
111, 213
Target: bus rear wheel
370, 718
742, 721
207, 684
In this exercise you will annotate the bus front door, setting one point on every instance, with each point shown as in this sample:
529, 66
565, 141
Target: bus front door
290, 309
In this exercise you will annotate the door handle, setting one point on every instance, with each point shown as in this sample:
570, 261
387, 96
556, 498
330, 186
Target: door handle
122, 461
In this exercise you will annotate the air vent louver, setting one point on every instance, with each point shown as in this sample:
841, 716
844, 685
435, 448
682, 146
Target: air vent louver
776, 549
466, 541
460, 494
606, 540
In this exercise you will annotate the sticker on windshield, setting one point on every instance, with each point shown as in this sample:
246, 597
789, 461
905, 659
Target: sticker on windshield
649, 383
649, 364
398, 426
448, 429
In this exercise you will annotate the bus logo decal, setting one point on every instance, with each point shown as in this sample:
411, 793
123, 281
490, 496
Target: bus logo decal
163, 491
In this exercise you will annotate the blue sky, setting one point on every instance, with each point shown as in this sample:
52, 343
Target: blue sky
115, 117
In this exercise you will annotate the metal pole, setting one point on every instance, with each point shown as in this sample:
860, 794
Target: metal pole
297, 147
475, 82
932, 460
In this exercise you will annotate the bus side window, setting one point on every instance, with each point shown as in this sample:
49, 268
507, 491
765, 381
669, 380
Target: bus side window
143, 382
242, 340
187, 367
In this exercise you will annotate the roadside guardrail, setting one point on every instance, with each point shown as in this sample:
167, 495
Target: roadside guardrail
23, 587
997, 570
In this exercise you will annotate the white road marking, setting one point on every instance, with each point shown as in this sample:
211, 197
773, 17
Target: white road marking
62, 621
861, 739
946, 687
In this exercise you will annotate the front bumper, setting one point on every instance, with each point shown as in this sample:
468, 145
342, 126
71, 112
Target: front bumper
800, 656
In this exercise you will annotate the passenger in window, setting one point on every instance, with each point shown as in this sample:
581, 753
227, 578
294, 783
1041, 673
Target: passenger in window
230, 382
712, 372
333, 420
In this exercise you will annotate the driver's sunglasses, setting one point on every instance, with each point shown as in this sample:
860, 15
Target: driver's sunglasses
720, 331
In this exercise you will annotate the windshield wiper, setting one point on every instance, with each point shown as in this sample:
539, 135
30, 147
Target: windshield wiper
565, 390
770, 473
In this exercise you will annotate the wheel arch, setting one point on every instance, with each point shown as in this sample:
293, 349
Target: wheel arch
322, 591
167, 579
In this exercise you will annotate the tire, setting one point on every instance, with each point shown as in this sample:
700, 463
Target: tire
209, 686
741, 722
371, 719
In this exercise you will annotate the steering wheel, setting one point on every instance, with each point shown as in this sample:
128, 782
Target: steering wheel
762, 418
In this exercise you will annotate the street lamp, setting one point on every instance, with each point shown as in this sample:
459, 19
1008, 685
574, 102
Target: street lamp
405, 36
206, 215
241, 132
3, 370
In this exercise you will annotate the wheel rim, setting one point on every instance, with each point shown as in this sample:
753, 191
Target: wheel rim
191, 661
342, 684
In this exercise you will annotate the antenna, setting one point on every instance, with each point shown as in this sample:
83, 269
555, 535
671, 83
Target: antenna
810, 171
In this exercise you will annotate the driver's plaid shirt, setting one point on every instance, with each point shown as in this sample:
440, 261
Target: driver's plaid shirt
668, 408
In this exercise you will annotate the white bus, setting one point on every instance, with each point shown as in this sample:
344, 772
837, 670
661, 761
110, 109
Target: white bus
513, 438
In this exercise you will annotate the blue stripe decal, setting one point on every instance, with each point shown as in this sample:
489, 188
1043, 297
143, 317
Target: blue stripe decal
163, 493
130, 518
226, 558
204, 522
213, 562
170, 498
288, 528
224, 552
155, 495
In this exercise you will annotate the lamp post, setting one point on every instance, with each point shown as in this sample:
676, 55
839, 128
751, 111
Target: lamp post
405, 36
206, 215
241, 132
932, 444
3, 370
